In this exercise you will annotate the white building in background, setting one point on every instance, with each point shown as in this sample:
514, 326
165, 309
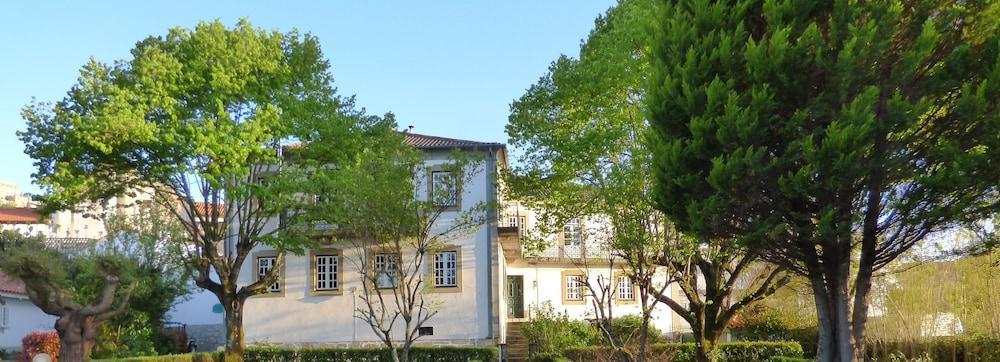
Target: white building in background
492, 282
11, 196
18, 316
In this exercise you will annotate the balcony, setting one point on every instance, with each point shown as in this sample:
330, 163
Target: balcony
512, 242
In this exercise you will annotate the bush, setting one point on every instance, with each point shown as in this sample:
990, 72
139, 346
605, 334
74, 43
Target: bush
788, 359
551, 333
39, 342
683, 352
189, 357
423, 354
547, 357
130, 337
962, 348
624, 326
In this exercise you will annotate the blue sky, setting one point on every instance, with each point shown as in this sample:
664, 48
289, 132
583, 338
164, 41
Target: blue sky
449, 68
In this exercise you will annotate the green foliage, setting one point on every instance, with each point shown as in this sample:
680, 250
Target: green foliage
627, 325
962, 348
39, 342
964, 288
547, 357
551, 333
120, 338
788, 359
430, 354
191, 357
684, 352
807, 128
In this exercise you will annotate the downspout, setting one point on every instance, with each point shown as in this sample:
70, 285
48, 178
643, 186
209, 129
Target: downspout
490, 219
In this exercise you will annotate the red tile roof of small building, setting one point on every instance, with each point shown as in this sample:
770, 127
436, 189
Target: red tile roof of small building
205, 209
19, 215
11, 285
424, 141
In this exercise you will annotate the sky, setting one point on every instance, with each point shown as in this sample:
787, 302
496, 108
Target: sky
448, 68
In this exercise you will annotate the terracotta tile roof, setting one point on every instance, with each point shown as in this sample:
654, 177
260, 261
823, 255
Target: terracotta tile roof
204, 209
19, 215
432, 142
11, 285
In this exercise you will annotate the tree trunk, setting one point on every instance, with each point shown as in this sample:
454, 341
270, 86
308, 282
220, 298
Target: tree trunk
77, 337
235, 345
708, 343
825, 348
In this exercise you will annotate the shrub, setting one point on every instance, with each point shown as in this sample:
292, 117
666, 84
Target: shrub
683, 352
624, 326
552, 333
39, 342
189, 357
423, 354
788, 359
962, 348
547, 357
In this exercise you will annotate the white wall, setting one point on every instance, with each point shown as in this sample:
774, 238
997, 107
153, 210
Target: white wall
28, 229
197, 309
544, 284
24, 318
300, 318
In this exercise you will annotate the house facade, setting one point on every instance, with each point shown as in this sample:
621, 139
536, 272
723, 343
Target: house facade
18, 316
490, 283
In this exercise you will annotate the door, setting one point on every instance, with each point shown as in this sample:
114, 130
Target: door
515, 296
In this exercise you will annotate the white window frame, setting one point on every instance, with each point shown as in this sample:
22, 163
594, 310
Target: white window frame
626, 289
446, 269
388, 264
4, 316
572, 233
573, 285
326, 273
263, 269
452, 200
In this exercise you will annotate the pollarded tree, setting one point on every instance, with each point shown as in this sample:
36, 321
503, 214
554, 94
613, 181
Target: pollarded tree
196, 117
83, 289
821, 133
581, 128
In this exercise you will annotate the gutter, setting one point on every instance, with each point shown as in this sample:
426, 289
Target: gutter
491, 220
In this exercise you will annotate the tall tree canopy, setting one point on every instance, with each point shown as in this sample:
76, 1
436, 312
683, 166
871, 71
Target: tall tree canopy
581, 128
818, 133
196, 117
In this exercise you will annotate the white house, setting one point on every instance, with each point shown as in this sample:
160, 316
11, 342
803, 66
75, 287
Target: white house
496, 284
18, 316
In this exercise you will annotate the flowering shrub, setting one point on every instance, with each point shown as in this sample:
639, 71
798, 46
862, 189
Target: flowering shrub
39, 342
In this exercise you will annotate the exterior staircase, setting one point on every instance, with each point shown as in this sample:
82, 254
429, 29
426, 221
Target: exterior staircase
517, 345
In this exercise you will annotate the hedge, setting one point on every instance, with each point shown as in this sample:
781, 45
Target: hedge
788, 359
189, 357
964, 348
684, 352
422, 354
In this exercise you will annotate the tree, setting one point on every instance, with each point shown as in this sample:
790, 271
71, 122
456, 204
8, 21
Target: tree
821, 133
197, 118
581, 128
82, 289
156, 243
379, 203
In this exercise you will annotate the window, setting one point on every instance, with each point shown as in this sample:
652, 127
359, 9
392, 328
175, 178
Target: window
264, 266
626, 290
326, 272
571, 232
572, 288
444, 188
4, 316
519, 223
446, 269
385, 270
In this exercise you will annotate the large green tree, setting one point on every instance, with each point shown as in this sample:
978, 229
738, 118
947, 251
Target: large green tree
581, 130
197, 117
821, 133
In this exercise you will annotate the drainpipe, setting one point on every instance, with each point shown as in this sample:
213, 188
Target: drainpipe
354, 321
490, 218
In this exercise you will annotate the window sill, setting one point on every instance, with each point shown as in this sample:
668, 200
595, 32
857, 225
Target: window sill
325, 293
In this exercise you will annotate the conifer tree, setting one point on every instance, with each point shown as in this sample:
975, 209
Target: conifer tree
821, 133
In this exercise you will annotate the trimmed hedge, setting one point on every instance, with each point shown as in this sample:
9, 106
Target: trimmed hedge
788, 359
683, 352
422, 354
964, 348
189, 357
